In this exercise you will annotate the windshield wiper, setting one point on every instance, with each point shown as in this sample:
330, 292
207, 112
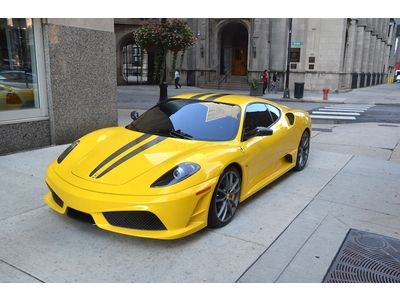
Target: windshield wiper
180, 134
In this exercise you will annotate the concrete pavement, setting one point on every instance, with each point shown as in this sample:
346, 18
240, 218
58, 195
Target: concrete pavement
288, 232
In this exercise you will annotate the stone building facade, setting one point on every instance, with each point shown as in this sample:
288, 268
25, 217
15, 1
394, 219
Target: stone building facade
338, 54
57, 80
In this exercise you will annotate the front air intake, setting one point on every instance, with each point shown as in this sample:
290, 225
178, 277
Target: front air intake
142, 220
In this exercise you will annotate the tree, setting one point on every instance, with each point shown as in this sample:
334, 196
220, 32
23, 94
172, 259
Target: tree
171, 36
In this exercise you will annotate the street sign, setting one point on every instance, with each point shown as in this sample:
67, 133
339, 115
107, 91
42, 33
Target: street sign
296, 44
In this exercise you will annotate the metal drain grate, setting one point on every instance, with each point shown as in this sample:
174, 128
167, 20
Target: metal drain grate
366, 257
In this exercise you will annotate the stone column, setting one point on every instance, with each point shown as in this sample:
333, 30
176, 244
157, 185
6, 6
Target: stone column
359, 52
350, 53
377, 65
386, 62
365, 56
371, 58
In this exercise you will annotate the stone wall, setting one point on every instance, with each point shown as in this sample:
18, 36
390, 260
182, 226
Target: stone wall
81, 80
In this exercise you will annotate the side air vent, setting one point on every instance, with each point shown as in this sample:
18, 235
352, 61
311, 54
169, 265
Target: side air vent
290, 118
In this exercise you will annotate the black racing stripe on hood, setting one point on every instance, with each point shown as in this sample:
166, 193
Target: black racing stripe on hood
215, 97
200, 95
120, 151
132, 154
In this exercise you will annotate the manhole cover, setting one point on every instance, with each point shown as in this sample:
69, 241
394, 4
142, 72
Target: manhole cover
366, 257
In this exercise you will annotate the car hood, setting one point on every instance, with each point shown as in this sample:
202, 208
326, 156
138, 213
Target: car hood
122, 157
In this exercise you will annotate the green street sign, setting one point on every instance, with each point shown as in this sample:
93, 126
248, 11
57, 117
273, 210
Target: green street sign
296, 44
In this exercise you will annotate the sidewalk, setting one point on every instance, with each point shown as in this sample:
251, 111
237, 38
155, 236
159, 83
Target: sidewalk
288, 232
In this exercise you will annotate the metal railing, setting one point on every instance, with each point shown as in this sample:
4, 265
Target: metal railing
224, 77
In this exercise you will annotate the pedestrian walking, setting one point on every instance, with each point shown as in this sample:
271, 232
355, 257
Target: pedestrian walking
274, 82
177, 77
265, 79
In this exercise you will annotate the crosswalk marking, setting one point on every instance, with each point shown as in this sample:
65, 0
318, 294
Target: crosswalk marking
336, 113
333, 117
340, 111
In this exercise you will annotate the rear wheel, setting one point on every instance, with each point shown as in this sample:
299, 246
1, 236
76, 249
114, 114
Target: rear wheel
303, 151
225, 199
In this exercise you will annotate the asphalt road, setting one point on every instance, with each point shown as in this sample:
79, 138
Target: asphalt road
144, 97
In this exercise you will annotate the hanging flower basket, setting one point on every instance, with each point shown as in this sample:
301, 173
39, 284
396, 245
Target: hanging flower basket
175, 36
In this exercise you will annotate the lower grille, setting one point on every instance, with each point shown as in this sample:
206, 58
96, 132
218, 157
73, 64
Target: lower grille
142, 220
56, 199
366, 257
79, 215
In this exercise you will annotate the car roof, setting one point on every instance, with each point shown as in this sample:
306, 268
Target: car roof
241, 100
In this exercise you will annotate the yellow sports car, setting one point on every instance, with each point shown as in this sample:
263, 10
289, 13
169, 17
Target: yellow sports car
15, 97
181, 166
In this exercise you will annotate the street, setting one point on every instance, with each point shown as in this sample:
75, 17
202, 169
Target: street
288, 232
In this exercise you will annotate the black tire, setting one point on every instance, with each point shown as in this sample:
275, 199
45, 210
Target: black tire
225, 199
303, 151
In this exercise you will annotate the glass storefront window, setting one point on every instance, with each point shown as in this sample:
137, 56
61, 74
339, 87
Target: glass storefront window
18, 67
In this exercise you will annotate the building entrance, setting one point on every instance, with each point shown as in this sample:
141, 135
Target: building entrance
234, 44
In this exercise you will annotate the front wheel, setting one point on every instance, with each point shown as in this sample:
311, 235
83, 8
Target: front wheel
225, 199
303, 151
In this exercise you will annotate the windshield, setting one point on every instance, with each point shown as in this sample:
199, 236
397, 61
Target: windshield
190, 119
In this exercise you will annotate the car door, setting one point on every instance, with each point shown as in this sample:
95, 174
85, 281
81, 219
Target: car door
262, 153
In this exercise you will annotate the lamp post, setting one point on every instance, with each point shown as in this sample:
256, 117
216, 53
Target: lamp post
163, 84
286, 92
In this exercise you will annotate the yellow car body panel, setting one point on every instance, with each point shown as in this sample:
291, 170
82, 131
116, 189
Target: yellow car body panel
83, 183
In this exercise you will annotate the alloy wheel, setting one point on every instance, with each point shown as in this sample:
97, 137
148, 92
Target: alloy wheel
227, 196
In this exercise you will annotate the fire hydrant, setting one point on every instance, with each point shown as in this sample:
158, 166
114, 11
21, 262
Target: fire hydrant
325, 92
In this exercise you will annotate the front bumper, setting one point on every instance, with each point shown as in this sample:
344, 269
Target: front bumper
180, 214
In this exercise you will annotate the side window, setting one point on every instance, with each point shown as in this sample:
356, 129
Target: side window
275, 113
257, 115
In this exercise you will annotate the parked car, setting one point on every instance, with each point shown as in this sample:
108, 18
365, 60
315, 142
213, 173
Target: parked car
398, 78
15, 98
181, 166
19, 79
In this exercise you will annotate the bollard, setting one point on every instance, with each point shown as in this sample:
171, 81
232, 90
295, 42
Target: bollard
325, 92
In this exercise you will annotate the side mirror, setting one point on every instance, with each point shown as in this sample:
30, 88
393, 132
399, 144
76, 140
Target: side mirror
134, 115
258, 131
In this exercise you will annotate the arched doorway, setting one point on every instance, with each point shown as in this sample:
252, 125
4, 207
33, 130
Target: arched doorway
233, 54
136, 63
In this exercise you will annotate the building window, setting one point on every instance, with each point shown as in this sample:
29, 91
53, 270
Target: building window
135, 64
19, 70
311, 59
311, 66
295, 55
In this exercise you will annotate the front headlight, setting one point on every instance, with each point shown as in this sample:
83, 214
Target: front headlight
67, 151
177, 174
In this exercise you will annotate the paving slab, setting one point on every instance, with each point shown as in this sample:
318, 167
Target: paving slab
361, 134
314, 258
396, 153
55, 248
32, 163
9, 274
367, 220
372, 152
21, 193
275, 260
272, 209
